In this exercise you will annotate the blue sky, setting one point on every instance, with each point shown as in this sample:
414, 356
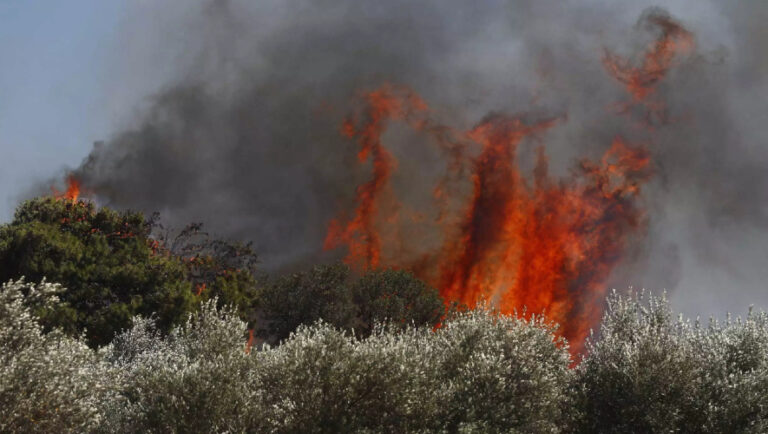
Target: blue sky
56, 58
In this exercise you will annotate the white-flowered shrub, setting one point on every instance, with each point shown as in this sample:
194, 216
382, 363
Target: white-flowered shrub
498, 373
194, 380
646, 371
478, 372
651, 372
48, 381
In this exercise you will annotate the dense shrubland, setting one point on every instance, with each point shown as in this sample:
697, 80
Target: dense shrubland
119, 265
478, 372
336, 352
651, 372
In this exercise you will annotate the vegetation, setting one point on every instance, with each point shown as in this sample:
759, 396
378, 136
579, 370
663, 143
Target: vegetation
651, 372
370, 353
218, 269
199, 378
331, 294
119, 265
49, 382
479, 372
303, 298
106, 260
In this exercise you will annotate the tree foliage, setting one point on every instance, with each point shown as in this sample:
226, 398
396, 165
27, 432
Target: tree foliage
371, 353
395, 296
118, 265
332, 294
481, 372
303, 298
218, 269
478, 372
111, 268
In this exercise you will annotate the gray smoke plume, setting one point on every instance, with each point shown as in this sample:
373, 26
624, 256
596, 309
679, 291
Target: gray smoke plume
244, 133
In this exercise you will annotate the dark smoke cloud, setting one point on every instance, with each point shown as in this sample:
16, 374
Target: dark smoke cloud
243, 132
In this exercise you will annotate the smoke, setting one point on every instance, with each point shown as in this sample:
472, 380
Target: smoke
242, 132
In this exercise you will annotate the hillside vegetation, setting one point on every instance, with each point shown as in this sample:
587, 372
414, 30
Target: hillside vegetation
136, 337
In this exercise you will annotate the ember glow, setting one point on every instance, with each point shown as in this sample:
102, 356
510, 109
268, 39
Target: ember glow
523, 240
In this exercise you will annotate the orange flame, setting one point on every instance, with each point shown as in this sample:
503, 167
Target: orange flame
641, 81
360, 234
547, 247
532, 243
527, 242
249, 344
73, 189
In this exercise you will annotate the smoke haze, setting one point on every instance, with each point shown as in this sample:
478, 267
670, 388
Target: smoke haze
241, 130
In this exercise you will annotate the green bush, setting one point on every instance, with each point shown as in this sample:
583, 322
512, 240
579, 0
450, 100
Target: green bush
330, 293
395, 296
114, 267
218, 269
303, 298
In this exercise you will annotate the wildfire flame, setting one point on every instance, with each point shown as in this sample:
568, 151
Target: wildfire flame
640, 81
249, 343
360, 234
520, 241
72, 192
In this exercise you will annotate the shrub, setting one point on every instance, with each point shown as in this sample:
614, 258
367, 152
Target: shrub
478, 372
497, 373
48, 382
648, 372
395, 296
331, 294
303, 298
194, 380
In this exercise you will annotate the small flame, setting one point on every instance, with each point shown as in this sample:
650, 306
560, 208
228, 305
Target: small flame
360, 234
73, 190
249, 344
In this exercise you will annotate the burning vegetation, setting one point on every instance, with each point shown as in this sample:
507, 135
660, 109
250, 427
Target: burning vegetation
524, 241
465, 302
72, 193
500, 229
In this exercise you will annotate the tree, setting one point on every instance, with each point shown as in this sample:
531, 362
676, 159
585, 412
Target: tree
396, 296
303, 298
218, 269
111, 268
197, 378
333, 294
496, 373
480, 372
